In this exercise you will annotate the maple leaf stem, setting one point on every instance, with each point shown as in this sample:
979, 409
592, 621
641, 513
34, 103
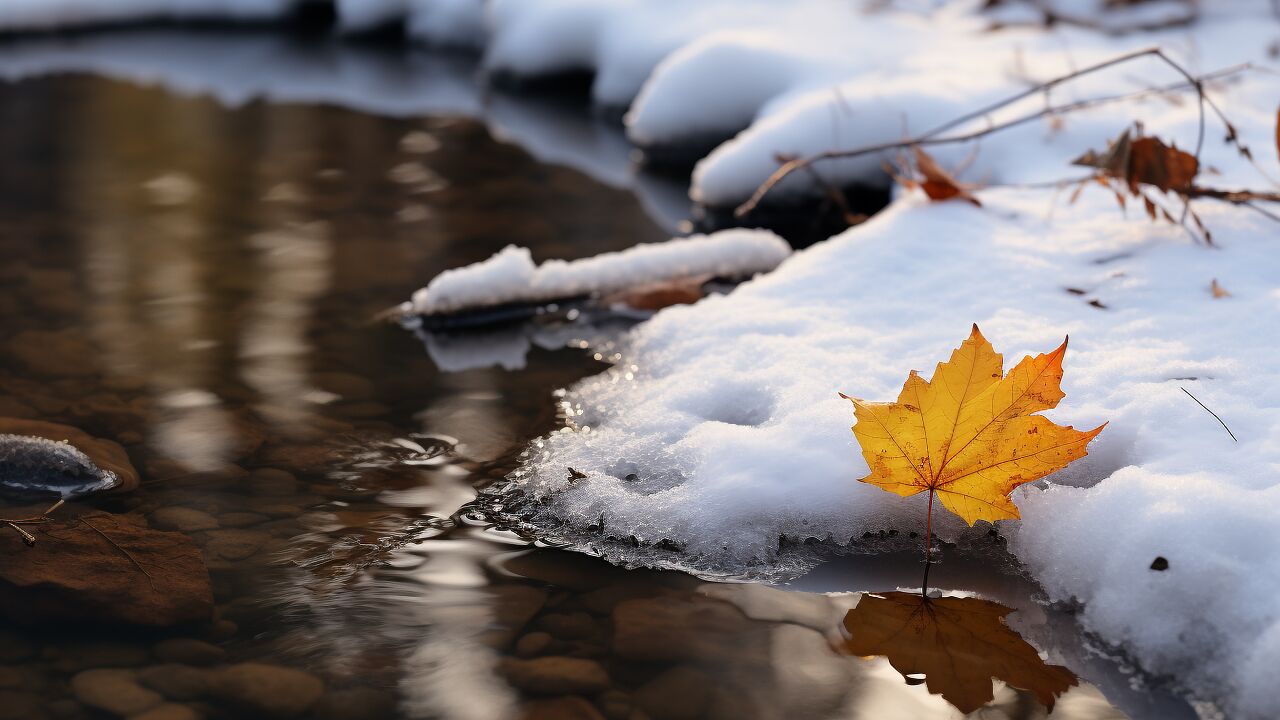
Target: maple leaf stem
928, 545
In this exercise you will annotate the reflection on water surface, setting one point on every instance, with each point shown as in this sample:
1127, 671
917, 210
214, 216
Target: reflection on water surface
195, 283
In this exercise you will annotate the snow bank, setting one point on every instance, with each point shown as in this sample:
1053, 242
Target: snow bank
511, 276
721, 430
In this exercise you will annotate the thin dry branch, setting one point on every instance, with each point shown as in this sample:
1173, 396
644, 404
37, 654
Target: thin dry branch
124, 552
936, 135
17, 523
1214, 414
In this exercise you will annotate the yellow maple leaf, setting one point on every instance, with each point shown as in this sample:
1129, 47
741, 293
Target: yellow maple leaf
969, 433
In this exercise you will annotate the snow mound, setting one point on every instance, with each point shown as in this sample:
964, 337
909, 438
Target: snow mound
511, 276
721, 430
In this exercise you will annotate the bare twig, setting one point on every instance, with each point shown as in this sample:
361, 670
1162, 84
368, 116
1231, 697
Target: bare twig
1054, 15
1214, 414
936, 135
28, 538
1265, 212
836, 197
1235, 197
124, 552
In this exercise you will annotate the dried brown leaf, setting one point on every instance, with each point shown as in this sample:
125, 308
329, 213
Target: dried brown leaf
938, 183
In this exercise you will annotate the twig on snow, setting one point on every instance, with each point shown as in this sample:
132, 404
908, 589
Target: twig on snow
1214, 414
936, 135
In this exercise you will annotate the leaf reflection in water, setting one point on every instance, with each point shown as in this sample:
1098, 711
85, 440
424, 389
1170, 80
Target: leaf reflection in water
957, 644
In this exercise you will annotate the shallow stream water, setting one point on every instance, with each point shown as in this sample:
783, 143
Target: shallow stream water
198, 281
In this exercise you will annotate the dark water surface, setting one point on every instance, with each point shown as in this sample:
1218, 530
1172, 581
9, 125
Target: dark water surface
197, 282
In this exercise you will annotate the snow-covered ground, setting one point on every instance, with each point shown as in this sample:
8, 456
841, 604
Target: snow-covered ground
725, 414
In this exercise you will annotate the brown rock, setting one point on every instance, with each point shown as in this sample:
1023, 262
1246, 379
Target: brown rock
359, 410
14, 408
113, 691
177, 682
183, 519
569, 626
674, 630
53, 353
223, 629
604, 600
615, 704
360, 703
189, 651
103, 568
513, 606
533, 644
14, 647
681, 693
298, 457
66, 709
566, 570
561, 708
555, 675
17, 705
19, 678
107, 455
168, 711
76, 656
270, 481
350, 387
241, 519
270, 690
279, 510
233, 545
